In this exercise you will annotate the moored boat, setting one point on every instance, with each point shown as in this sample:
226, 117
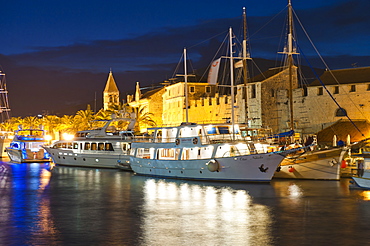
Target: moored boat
322, 164
105, 147
203, 152
26, 146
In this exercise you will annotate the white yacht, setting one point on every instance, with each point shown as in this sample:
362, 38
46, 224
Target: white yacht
203, 152
26, 146
100, 148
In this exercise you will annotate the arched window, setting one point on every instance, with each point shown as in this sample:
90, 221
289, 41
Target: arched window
341, 112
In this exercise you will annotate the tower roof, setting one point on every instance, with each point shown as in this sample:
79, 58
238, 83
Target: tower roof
111, 84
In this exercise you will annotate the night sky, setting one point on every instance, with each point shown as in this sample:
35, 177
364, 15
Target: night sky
57, 54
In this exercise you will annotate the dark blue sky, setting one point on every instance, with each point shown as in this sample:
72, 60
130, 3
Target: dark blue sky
57, 54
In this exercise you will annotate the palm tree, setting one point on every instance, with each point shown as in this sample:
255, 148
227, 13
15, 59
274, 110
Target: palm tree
31, 121
143, 118
84, 118
51, 124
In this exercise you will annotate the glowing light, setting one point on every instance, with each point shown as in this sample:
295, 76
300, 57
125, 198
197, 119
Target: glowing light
47, 137
67, 136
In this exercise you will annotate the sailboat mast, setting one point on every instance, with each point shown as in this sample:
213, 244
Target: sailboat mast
245, 68
232, 80
186, 88
290, 62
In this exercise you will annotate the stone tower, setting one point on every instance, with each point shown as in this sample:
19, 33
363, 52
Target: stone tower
111, 93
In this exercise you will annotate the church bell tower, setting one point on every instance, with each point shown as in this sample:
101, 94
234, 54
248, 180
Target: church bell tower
111, 93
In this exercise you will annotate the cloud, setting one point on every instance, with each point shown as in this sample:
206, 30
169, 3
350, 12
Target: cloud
56, 78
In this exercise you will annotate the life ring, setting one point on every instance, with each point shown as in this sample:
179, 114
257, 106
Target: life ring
213, 166
195, 140
177, 141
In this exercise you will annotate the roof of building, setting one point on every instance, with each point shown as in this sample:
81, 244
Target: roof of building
342, 128
344, 76
267, 74
150, 93
111, 84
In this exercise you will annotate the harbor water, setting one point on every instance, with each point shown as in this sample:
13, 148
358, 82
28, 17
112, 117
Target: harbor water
42, 204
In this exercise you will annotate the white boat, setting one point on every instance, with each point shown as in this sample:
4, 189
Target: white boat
26, 146
100, 148
322, 164
203, 152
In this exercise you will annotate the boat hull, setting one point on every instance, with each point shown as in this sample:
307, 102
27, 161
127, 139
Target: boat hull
319, 165
363, 183
18, 157
95, 160
248, 168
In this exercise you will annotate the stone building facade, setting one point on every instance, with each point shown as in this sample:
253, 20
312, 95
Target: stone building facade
314, 109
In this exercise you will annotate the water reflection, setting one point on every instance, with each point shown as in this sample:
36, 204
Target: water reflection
41, 205
25, 212
176, 212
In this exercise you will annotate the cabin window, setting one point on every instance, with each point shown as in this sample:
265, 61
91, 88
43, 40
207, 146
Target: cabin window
320, 91
223, 130
125, 146
87, 146
341, 112
143, 153
75, 145
352, 88
253, 91
192, 89
93, 146
336, 89
108, 147
168, 154
197, 153
211, 130
100, 146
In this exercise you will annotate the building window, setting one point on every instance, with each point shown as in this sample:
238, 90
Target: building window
192, 89
210, 101
305, 91
368, 87
341, 112
272, 93
353, 88
320, 91
202, 101
336, 89
217, 100
208, 89
226, 100
253, 91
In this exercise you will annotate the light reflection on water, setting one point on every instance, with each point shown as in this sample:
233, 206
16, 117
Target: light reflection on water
193, 214
42, 205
